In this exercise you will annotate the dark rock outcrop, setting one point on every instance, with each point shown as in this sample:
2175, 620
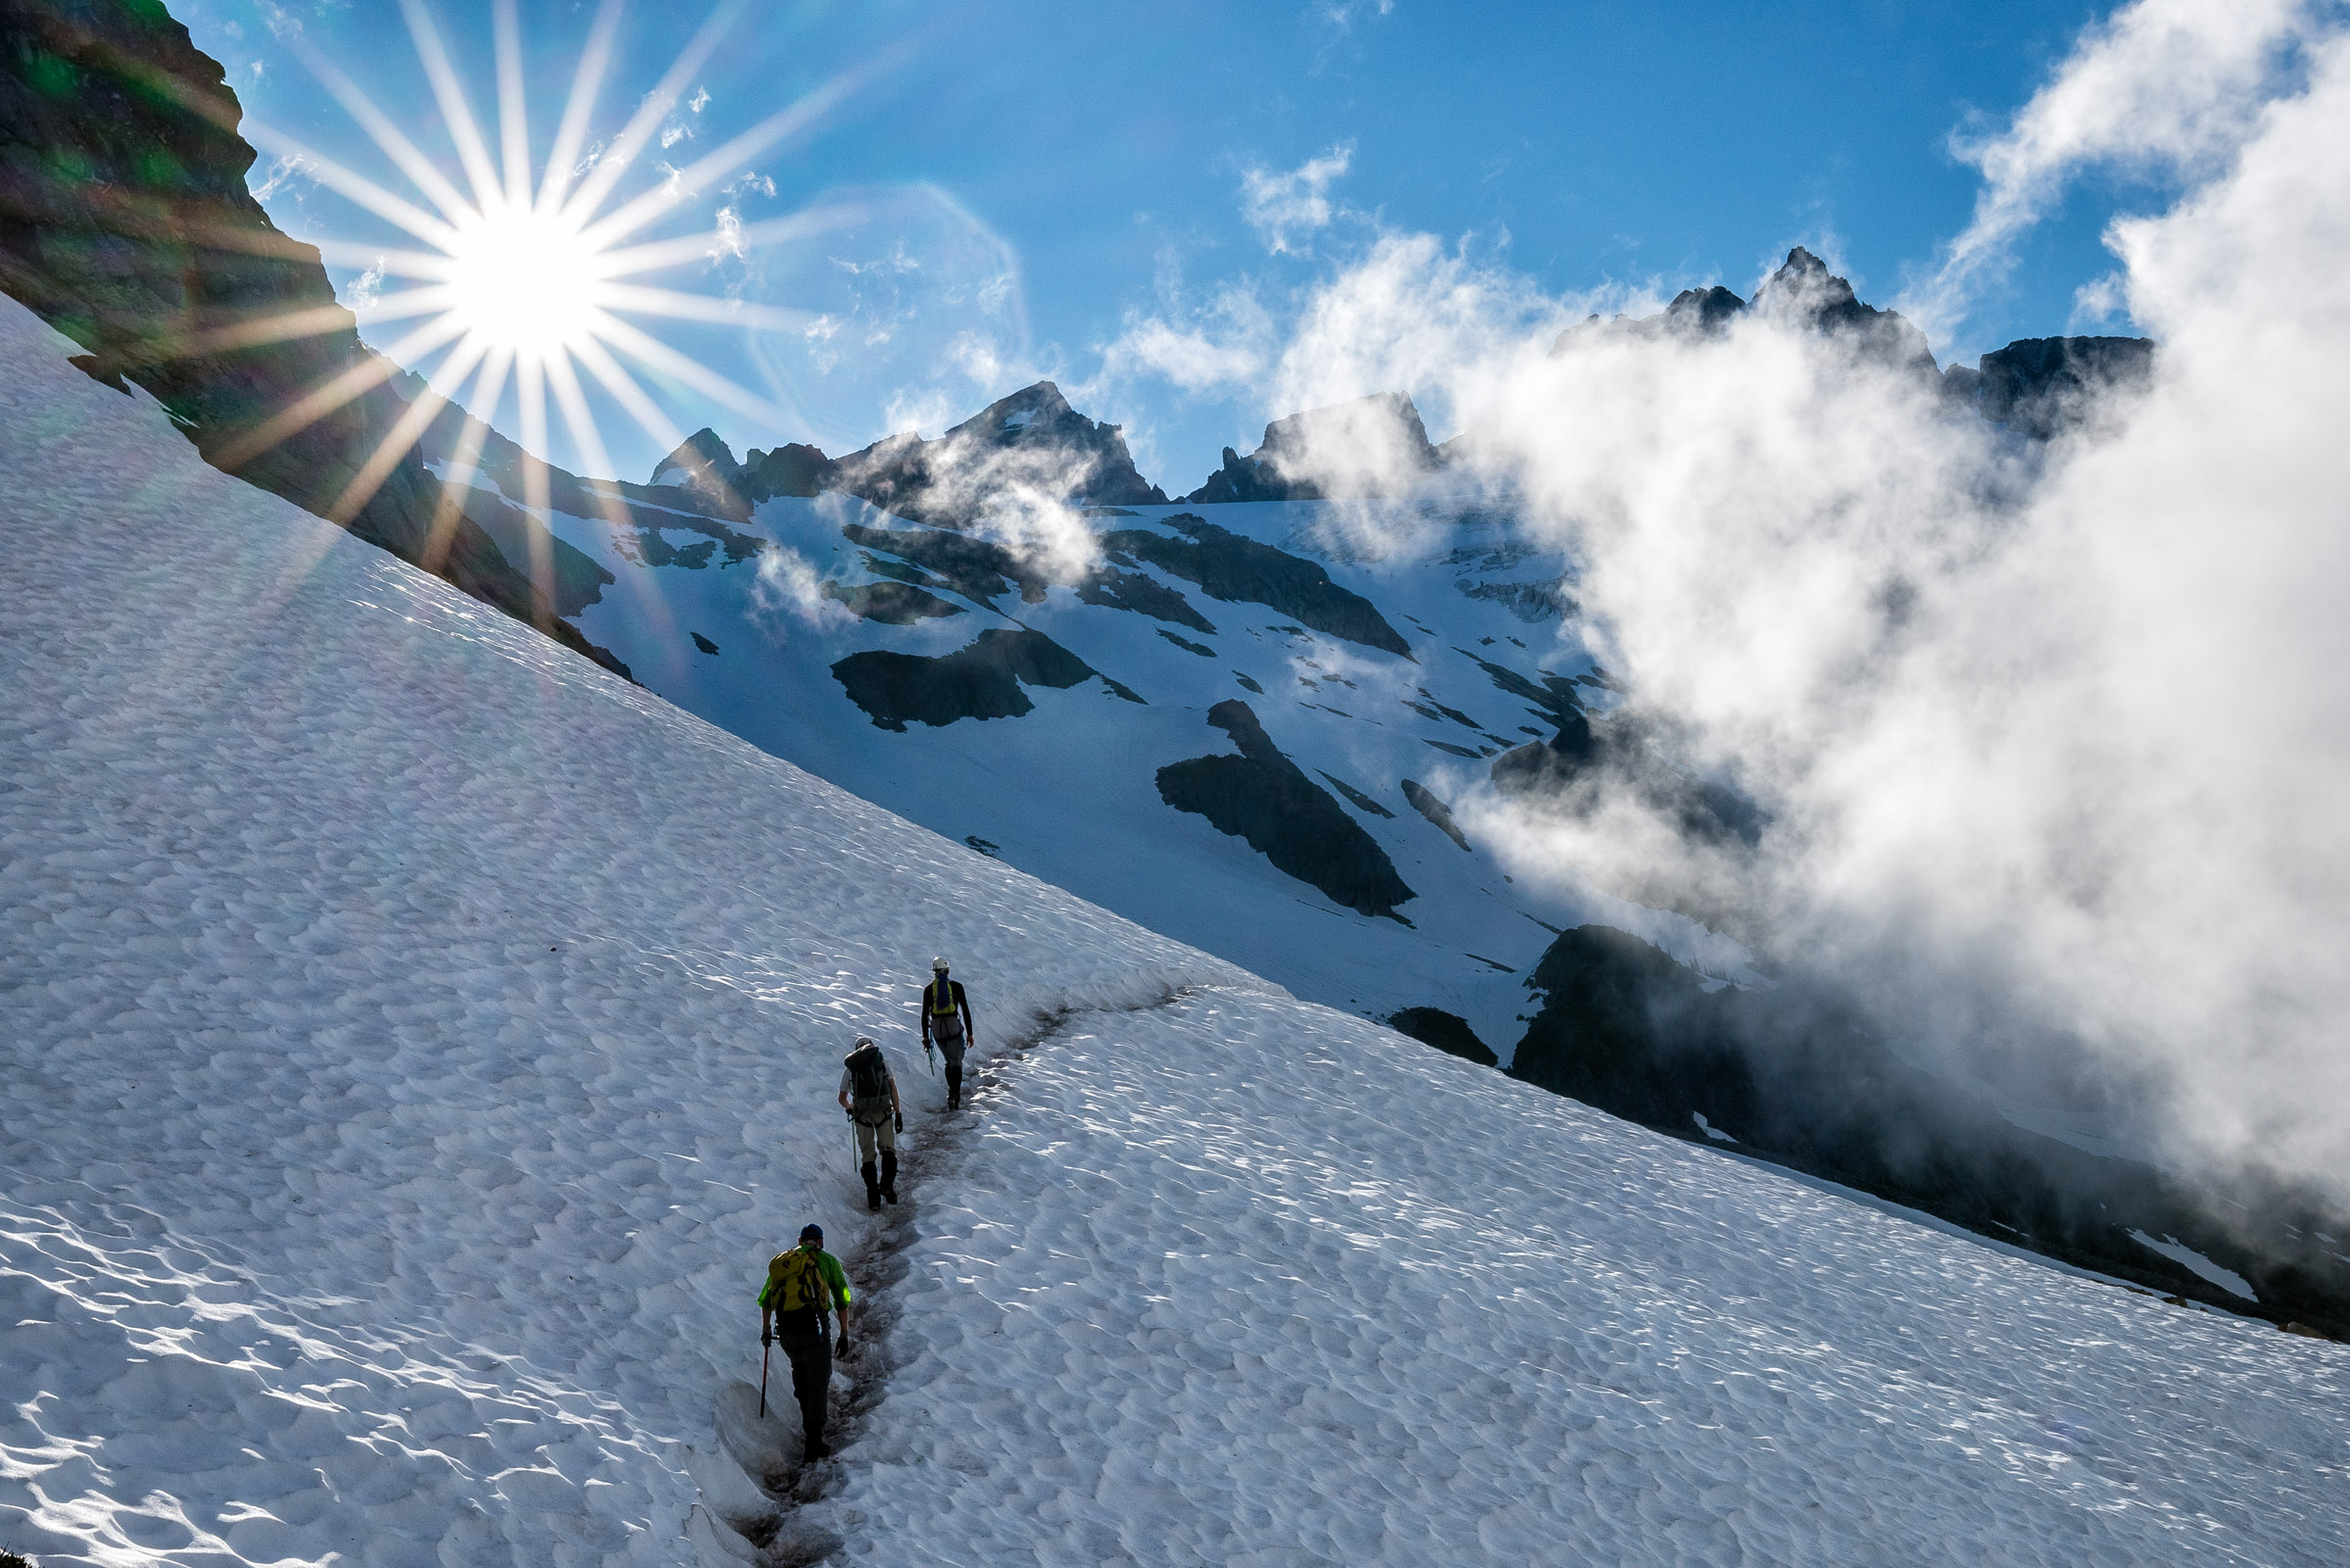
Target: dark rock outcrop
572, 578
125, 223
982, 680
1031, 443
980, 570
2043, 386
1423, 802
1796, 1078
1448, 1032
1234, 568
1262, 797
1802, 293
1584, 764
1368, 447
894, 603
1354, 797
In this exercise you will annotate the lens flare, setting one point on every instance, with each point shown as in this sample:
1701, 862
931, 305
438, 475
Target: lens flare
526, 278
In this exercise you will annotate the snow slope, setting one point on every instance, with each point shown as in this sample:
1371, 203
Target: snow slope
417, 1038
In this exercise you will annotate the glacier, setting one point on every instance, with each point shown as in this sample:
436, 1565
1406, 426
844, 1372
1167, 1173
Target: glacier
417, 1038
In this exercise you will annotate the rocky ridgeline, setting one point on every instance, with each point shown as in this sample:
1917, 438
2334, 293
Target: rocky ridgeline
125, 223
1029, 446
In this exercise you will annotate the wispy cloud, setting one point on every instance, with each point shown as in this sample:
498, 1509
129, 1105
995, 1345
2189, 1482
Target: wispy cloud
1286, 209
2163, 87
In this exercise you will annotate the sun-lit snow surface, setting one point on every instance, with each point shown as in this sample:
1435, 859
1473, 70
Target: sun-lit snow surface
1237, 1280
416, 1038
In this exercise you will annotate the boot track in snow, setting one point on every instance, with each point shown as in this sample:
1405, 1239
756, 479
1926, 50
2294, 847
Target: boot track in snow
760, 1488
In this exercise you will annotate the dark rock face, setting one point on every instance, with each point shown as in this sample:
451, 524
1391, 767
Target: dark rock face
982, 569
1446, 1031
979, 570
1232, 568
1709, 310
2043, 386
1806, 291
1354, 797
1039, 419
1798, 1079
1436, 811
125, 223
1582, 764
1031, 442
1530, 601
1802, 292
1131, 590
894, 603
1264, 797
1367, 447
1554, 698
572, 578
980, 681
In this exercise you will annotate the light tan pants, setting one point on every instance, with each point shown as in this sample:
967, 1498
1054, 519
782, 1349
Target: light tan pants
886, 1135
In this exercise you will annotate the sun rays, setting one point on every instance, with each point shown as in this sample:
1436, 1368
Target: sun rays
525, 274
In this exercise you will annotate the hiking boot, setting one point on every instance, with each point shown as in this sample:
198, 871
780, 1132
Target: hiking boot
889, 1176
815, 1450
873, 1186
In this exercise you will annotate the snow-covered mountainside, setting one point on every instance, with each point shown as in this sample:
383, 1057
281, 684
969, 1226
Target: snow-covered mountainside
1239, 725
417, 1038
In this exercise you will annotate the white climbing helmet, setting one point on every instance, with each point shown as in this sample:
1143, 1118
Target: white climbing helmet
938, 966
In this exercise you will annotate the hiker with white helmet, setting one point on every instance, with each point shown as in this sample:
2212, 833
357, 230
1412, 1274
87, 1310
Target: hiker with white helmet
869, 1094
947, 1021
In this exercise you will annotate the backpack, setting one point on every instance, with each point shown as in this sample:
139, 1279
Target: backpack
868, 1085
795, 1284
938, 1000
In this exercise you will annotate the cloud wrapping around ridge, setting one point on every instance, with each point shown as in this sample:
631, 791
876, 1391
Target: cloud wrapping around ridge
2054, 740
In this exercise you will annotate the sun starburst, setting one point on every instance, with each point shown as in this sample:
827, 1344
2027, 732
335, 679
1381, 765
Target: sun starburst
530, 277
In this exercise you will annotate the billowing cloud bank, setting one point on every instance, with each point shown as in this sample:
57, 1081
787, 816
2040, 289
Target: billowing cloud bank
2055, 742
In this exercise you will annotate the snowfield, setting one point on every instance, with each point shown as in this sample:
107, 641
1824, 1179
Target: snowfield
416, 1040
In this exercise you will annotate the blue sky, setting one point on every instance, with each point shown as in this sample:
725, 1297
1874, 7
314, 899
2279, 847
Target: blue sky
1034, 181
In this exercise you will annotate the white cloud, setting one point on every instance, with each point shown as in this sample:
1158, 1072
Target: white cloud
726, 237
2161, 87
2052, 739
285, 173
1228, 344
1286, 208
365, 289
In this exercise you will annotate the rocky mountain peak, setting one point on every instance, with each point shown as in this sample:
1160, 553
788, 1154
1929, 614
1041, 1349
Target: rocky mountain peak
1367, 445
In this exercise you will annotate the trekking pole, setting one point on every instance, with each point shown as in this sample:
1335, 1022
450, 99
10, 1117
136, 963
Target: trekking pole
930, 1058
762, 1377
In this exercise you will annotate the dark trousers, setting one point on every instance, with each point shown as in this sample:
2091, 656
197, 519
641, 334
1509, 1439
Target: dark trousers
810, 1355
955, 1070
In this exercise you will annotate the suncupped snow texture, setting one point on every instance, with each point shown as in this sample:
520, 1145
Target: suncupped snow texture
416, 1038
1244, 1281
